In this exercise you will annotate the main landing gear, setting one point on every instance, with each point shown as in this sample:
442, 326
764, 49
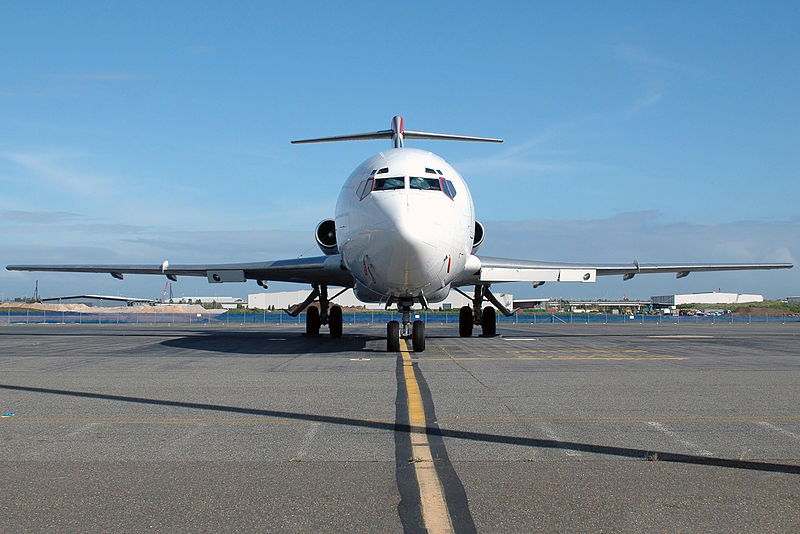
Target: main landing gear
324, 315
415, 330
486, 318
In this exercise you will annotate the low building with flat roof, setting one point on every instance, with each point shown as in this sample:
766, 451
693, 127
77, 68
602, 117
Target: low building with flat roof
714, 297
228, 303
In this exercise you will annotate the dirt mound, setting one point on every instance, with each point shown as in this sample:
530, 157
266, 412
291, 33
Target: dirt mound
83, 308
46, 306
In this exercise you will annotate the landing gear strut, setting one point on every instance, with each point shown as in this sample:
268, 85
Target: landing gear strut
324, 315
486, 317
415, 330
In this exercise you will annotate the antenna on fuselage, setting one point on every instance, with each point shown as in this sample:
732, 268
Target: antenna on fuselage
397, 134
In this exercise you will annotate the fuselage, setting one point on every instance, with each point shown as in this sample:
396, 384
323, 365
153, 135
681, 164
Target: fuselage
405, 225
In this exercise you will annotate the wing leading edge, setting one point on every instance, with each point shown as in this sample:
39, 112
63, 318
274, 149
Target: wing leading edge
327, 270
482, 270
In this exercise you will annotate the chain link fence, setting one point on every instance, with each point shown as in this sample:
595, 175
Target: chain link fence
238, 317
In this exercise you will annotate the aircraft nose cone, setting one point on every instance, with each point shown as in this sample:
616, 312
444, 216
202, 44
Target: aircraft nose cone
404, 239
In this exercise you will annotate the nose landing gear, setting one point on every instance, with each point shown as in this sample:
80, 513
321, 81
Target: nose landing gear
415, 330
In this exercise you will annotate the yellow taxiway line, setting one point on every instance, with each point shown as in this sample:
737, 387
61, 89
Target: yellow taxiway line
434, 506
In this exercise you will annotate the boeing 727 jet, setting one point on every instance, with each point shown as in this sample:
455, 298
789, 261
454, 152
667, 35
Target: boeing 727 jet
404, 234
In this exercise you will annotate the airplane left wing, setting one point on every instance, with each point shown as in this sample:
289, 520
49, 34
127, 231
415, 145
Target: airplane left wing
327, 270
483, 270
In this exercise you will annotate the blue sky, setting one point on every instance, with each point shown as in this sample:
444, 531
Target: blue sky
138, 132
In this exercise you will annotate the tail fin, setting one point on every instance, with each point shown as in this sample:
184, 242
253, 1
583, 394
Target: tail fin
397, 134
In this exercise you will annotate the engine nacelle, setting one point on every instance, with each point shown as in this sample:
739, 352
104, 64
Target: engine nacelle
479, 235
325, 234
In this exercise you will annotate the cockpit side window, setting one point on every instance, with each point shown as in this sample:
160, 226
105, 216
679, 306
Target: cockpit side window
386, 184
430, 184
452, 188
448, 188
364, 189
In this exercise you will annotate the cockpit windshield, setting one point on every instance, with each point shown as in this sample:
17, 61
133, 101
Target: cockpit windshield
385, 184
431, 184
399, 182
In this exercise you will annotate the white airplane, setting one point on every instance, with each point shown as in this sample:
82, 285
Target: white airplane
404, 233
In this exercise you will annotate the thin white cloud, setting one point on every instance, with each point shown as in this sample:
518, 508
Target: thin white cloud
531, 156
649, 100
54, 170
36, 217
637, 55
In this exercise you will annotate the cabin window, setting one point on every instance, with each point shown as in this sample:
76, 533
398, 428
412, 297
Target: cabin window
386, 184
430, 184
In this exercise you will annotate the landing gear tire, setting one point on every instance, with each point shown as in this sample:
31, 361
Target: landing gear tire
392, 336
418, 336
312, 321
465, 321
489, 322
335, 321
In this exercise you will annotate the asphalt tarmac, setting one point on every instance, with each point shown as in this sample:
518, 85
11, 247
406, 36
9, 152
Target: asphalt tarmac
579, 428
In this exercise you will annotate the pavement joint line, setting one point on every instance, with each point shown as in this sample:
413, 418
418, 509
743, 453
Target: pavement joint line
435, 514
478, 380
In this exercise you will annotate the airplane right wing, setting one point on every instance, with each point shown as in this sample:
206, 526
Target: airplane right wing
484, 270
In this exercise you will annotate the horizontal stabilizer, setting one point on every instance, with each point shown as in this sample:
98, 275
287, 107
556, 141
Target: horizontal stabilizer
397, 134
412, 134
383, 134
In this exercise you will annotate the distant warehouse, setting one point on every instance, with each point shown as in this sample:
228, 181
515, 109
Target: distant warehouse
714, 297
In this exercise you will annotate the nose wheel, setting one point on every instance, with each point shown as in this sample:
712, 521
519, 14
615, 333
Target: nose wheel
415, 331
418, 336
393, 336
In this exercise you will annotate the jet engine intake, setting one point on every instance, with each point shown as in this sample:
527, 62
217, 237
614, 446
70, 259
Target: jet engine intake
325, 234
479, 235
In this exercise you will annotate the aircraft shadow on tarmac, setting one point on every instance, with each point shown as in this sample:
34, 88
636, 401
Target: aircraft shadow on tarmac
626, 452
269, 343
